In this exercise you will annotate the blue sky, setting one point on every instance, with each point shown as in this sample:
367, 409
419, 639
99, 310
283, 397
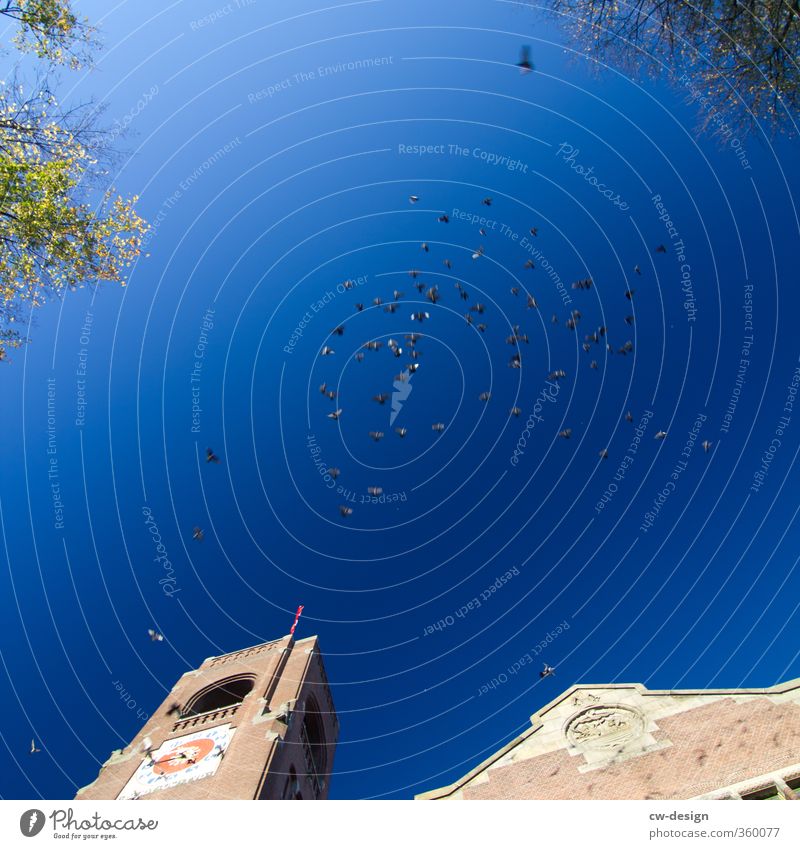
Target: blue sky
274, 154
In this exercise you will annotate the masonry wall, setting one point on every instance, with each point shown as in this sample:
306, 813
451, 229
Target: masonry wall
713, 746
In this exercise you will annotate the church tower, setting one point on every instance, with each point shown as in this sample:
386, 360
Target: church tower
254, 724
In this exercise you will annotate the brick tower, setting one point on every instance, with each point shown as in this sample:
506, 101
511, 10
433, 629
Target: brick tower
254, 724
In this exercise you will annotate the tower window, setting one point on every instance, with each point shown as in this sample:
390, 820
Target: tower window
220, 695
292, 788
315, 749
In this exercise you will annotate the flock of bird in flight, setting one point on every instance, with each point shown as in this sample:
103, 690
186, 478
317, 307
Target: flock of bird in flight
475, 316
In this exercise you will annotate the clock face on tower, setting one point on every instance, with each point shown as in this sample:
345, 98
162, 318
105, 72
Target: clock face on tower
178, 760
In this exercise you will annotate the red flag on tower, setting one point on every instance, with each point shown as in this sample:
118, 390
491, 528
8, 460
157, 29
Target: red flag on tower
296, 617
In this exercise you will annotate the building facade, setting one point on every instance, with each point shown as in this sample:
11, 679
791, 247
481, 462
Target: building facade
253, 724
623, 741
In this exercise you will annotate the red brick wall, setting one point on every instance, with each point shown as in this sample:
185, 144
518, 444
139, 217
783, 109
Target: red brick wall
713, 746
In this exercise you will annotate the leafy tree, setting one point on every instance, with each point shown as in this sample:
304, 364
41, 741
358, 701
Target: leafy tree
57, 231
50, 29
741, 55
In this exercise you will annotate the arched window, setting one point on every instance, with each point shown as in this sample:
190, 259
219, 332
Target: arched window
292, 788
223, 694
315, 747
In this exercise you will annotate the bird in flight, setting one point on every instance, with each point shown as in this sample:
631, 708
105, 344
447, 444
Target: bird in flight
413, 198
197, 534
335, 414
662, 434
375, 490
34, 750
525, 65
566, 433
211, 457
155, 636
376, 435
382, 398
345, 511
438, 427
547, 671
707, 446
